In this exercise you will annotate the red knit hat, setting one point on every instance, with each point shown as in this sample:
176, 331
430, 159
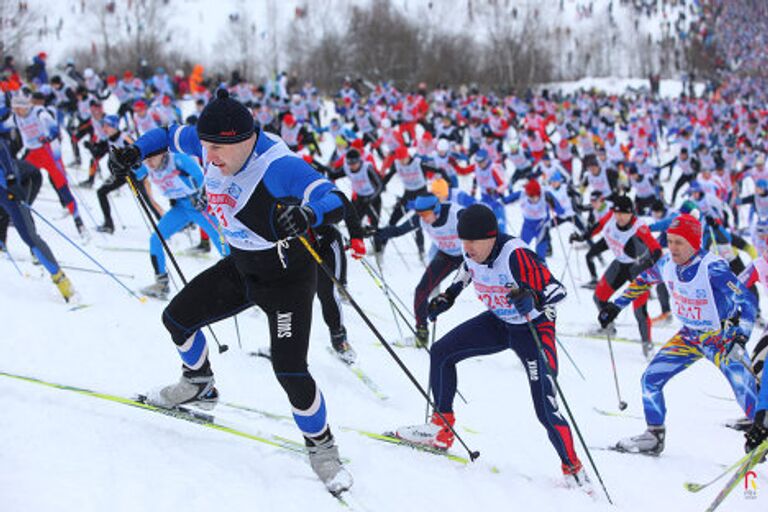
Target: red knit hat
532, 188
688, 227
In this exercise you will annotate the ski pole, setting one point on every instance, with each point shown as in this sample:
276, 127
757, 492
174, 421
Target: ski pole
381, 284
567, 264
622, 403
565, 351
472, 454
429, 382
102, 267
94, 271
565, 403
384, 284
394, 315
145, 208
10, 258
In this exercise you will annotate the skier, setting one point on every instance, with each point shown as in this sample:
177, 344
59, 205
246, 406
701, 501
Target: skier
635, 250
264, 197
520, 294
717, 313
38, 129
439, 221
536, 216
13, 200
180, 179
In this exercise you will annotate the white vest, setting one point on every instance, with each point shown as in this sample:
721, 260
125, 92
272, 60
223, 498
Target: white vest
360, 180
411, 174
693, 302
168, 180
446, 237
227, 195
617, 239
492, 284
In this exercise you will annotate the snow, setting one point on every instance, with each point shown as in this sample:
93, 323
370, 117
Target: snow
63, 451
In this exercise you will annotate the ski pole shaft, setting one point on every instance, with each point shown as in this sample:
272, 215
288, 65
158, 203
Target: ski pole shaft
380, 277
568, 355
567, 264
148, 214
382, 286
551, 373
472, 454
10, 258
83, 251
94, 271
622, 403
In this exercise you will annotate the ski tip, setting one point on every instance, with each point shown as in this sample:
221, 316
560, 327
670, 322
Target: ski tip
143, 299
692, 487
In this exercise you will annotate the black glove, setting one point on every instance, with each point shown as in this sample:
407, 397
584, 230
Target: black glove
575, 237
440, 304
122, 160
758, 433
293, 220
608, 314
199, 200
523, 298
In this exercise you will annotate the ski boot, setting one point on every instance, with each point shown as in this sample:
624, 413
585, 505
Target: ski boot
591, 285
64, 285
77, 162
647, 349
610, 330
434, 434
160, 289
194, 388
203, 247
82, 230
422, 336
107, 227
576, 478
344, 350
326, 463
650, 442
664, 318
87, 183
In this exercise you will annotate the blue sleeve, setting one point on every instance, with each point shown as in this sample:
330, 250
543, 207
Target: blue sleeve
511, 198
732, 297
465, 199
141, 172
291, 176
663, 224
394, 231
177, 138
189, 166
555, 204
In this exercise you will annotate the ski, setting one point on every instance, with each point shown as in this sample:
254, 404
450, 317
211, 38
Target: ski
618, 414
615, 448
601, 337
361, 376
78, 307
122, 249
752, 459
263, 352
739, 425
181, 413
391, 438
696, 487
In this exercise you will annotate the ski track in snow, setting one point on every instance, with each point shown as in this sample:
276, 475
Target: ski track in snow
63, 451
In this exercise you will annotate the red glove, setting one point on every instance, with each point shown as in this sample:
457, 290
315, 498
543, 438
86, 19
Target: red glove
358, 248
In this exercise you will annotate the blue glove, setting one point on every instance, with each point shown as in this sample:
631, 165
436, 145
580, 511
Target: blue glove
523, 298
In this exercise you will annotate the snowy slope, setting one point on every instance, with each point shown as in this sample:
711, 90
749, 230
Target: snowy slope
60, 451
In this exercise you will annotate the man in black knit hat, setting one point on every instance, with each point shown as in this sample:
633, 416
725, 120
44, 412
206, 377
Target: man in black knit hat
518, 289
264, 197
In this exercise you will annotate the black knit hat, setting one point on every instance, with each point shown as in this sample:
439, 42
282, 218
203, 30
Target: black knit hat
225, 121
623, 204
477, 222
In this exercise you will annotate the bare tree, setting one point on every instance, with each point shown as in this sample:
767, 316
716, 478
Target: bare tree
17, 24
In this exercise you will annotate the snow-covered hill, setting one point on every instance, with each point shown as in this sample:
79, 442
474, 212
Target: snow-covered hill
62, 451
